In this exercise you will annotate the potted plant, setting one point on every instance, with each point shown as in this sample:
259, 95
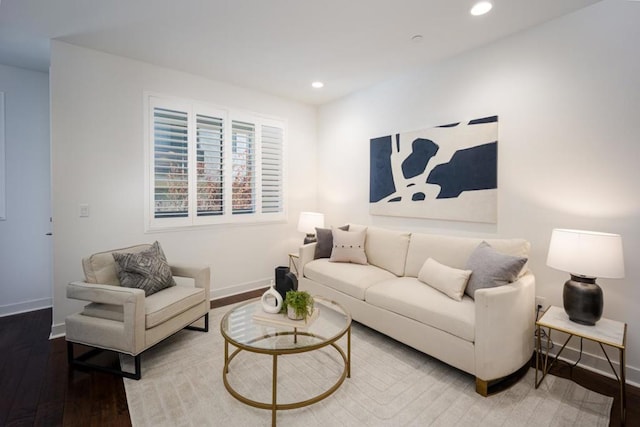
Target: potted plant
299, 305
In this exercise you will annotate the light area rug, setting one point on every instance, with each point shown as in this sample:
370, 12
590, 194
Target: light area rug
390, 385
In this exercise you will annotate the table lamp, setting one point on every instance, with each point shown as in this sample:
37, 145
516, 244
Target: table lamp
308, 222
585, 255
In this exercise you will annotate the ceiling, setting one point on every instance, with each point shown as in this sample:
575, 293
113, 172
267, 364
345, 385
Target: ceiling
275, 46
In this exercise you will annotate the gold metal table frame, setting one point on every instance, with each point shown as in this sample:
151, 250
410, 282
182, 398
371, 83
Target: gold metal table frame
274, 406
607, 332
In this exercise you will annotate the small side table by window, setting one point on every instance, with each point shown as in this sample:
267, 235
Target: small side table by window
605, 331
293, 262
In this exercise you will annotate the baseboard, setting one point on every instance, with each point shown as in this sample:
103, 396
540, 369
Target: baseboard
58, 331
23, 307
598, 363
239, 289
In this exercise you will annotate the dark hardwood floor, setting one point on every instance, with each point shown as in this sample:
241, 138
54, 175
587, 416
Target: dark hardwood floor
37, 388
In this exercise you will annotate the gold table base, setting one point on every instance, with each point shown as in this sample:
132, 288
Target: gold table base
274, 405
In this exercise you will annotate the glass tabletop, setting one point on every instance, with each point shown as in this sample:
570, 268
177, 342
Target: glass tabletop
241, 328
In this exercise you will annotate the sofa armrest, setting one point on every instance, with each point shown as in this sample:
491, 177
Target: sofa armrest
131, 300
505, 318
200, 275
305, 254
105, 294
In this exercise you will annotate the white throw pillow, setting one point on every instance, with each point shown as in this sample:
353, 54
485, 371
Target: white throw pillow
348, 246
450, 281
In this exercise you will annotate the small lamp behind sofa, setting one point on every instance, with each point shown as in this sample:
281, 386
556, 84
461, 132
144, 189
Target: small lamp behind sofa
308, 222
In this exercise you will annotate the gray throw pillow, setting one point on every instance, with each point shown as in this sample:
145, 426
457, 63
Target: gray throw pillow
490, 268
147, 270
324, 245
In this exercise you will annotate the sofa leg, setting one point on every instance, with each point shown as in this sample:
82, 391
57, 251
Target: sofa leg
196, 328
482, 387
82, 362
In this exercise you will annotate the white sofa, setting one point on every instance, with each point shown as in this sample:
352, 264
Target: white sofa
489, 337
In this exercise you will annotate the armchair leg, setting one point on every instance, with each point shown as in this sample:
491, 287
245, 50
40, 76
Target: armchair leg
81, 361
196, 328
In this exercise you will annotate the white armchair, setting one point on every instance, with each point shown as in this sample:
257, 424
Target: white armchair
123, 319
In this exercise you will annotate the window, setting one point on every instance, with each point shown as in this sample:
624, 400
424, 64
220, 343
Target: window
212, 166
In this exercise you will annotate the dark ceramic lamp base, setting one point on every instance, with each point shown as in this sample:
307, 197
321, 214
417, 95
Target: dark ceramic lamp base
310, 239
583, 300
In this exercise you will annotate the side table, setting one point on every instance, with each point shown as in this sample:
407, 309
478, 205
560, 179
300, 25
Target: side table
605, 331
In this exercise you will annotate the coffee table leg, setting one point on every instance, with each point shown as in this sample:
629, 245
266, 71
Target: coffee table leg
274, 390
226, 356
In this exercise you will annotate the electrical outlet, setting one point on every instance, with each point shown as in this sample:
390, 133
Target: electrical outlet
541, 302
84, 210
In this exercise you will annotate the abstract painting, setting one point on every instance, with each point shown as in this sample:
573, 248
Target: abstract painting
447, 172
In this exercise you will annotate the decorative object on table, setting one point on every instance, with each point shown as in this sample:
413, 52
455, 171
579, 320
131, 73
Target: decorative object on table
280, 272
288, 283
446, 172
307, 224
285, 281
585, 255
282, 320
271, 300
299, 305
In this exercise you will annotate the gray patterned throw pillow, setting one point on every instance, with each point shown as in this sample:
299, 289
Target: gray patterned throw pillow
147, 270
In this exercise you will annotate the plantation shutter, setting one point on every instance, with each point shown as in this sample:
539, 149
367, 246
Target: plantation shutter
209, 165
171, 175
243, 168
271, 144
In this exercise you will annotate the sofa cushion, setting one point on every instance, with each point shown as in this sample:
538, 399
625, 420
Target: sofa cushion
450, 281
324, 241
351, 279
454, 251
170, 302
387, 249
491, 268
409, 297
101, 267
147, 270
348, 246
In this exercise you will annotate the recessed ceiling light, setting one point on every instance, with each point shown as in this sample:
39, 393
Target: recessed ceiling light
317, 85
481, 8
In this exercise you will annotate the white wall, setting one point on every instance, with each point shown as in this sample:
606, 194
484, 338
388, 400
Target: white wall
568, 98
25, 279
97, 158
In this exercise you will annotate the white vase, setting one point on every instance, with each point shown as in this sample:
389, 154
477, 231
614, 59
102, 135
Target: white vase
291, 314
271, 300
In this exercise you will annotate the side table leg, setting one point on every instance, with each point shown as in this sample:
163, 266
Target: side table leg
623, 394
538, 350
274, 390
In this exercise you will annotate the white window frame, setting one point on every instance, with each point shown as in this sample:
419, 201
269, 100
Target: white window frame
192, 220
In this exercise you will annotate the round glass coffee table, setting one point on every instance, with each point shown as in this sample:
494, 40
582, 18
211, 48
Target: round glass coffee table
245, 328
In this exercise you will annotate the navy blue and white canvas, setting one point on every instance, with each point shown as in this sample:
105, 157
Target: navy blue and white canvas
447, 172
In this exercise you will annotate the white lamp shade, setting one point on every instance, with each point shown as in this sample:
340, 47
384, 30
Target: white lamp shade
308, 222
586, 253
